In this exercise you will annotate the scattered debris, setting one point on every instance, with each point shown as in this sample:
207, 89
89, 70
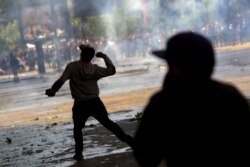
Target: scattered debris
90, 125
53, 124
66, 123
8, 140
39, 151
28, 152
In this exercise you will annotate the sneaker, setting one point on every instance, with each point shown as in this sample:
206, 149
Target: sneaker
78, 157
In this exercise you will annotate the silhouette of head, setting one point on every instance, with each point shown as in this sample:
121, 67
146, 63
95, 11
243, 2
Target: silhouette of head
87, 53
191, 53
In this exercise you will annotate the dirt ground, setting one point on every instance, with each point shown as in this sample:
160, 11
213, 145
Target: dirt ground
62, 112
46, 139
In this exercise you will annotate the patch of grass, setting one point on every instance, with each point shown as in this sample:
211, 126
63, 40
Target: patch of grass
138, 116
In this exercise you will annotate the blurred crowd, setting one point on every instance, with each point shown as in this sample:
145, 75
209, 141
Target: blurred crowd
135, 45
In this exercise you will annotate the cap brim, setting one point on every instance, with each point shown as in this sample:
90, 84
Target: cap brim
159, 53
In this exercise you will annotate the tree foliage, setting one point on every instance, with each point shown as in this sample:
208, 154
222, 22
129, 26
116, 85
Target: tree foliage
118, 23
96, 26
10, 37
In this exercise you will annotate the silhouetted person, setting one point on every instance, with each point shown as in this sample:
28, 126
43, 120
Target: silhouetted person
14, 65
83, 77
31, 60
193, 120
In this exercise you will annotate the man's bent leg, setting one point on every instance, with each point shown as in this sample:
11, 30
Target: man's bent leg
102, 116
115, 129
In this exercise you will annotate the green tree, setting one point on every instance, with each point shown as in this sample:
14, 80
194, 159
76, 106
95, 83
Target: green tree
97, 26
10, 37
9, 32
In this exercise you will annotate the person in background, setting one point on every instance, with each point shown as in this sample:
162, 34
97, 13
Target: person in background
194, 120
83, 76
31, 59
14, 65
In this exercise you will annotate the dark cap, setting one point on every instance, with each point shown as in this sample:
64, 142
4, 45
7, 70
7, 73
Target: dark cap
188, 50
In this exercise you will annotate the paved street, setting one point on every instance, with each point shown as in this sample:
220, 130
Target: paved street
51, 144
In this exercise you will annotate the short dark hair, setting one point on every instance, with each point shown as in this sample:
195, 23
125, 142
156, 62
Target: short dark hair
87, 52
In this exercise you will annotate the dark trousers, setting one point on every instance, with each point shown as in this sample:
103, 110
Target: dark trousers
82, 110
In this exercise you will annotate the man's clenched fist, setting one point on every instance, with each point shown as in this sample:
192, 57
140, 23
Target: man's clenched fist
100, 54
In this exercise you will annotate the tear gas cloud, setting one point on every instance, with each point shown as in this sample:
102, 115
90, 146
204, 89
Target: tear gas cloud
159, 16
224, 22
134, 27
